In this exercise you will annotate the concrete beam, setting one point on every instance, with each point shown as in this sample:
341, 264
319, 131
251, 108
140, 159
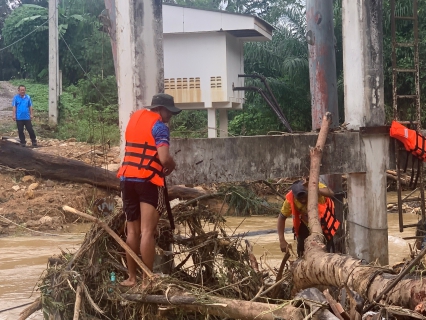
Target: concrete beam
263, 157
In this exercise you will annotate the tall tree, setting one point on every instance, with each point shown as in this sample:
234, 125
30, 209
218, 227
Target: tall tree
9, 66
80, 39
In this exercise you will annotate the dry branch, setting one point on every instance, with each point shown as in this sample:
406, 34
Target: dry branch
114, 235
33, 307
77, 303
280, 273
316, 155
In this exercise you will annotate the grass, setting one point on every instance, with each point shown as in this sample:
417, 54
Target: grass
85, 123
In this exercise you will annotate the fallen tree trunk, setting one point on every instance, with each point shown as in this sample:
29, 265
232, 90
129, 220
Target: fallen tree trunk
53, 167
222, 307
60, 168
320, 268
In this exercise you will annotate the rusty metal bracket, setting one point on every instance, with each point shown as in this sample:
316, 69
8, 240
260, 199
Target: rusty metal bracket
374, 130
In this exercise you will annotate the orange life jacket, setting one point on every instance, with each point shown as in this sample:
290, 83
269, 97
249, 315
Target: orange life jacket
412, 140
328, 220
141, 156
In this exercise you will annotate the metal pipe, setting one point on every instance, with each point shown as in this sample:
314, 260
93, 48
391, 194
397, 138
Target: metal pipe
277, 108
268, 101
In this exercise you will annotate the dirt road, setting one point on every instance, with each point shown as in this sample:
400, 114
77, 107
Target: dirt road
7, 91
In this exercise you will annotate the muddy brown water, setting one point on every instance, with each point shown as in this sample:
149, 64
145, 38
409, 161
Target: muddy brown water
23, 259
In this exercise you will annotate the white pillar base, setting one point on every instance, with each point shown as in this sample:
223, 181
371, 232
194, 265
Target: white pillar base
211, 123
367, 216
223, 123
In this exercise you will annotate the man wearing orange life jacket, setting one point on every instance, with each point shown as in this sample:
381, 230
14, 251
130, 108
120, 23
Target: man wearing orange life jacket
295, 205
147, 161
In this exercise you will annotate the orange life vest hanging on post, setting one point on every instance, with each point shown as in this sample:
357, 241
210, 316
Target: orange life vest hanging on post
412, 140
328, 220
141, 156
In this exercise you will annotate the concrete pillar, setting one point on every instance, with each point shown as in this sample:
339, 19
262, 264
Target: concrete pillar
223, 123
53, 63
211, 123
322, 76
140, 64
322, 60
364, 106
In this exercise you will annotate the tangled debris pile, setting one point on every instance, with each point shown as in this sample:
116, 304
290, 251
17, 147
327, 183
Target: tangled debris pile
205, 263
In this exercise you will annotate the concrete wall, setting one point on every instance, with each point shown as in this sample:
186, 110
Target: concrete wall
263, 157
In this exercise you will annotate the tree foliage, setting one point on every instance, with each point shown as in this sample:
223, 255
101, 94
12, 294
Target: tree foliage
283, 61
80, 39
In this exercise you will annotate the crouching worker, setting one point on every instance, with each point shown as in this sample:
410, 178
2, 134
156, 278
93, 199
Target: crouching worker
147, 161
295, 205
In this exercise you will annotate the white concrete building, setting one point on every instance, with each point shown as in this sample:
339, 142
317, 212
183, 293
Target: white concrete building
203, 56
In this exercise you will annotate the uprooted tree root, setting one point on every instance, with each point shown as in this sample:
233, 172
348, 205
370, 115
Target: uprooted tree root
206, 264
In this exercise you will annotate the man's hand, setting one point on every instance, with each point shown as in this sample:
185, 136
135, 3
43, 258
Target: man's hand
167, 171
14, 117
166, 159
284, 246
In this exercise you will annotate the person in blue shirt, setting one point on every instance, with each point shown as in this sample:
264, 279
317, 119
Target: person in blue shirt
23, 113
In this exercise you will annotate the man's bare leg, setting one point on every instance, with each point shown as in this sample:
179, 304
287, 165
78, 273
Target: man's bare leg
148, 225
133, 235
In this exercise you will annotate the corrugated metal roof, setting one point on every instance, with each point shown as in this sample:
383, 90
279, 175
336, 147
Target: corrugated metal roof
265, 24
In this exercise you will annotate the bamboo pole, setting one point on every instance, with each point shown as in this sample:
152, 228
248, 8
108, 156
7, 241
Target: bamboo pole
86, 216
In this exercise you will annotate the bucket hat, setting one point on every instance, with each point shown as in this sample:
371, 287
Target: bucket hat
164, 100
298, 189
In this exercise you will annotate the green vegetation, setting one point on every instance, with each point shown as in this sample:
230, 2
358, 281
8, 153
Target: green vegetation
90, 92
90, 122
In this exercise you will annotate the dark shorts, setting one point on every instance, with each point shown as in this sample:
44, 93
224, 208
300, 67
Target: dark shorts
133, 193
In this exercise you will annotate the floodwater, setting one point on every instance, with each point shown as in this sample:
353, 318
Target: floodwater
23, 259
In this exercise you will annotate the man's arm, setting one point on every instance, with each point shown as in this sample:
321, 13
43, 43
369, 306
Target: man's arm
326, 192
280, 229
166, 159
31, 112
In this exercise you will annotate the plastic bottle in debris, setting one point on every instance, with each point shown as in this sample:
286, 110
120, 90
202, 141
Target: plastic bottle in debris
112, 279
